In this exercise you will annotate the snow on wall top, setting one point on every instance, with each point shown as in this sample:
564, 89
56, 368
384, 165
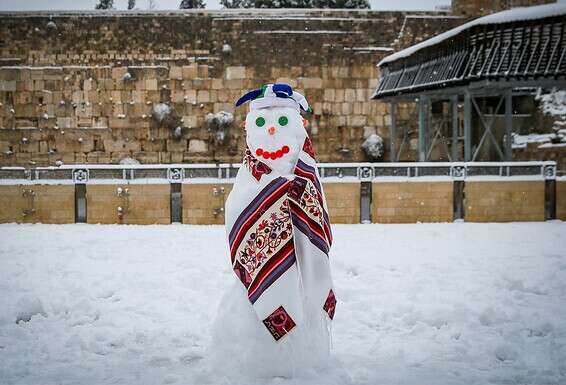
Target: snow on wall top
286, 13
516, 14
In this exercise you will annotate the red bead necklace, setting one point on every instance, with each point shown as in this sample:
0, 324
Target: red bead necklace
272, 154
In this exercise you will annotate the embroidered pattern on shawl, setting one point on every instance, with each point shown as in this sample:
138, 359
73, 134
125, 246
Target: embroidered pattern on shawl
308, 147
256, 167
307, 212
305, 171
261, 240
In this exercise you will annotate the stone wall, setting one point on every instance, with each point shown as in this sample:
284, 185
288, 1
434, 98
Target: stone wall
394, 201
410, 202
82, 87
203, 204
140, 204
474, 8
504, 201
343, 200
37, 203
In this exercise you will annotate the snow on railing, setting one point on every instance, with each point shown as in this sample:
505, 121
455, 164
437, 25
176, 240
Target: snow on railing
226, 172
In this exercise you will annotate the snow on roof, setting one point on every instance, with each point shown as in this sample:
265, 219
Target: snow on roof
515, 14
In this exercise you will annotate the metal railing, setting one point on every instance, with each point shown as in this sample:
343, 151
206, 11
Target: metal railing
179, 173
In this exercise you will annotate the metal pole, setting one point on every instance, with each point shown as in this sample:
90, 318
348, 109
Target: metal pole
454, 128
393, 137
429, 128
422, 128
467, 126
508, 124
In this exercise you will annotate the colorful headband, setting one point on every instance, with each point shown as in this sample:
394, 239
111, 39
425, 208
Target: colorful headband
274, 95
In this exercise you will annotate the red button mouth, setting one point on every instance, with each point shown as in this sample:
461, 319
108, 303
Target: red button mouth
272, 154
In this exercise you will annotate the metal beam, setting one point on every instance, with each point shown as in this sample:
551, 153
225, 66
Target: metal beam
454, 109
478, 88
467, 126
422, 105
508, 124
487, 127
393, 134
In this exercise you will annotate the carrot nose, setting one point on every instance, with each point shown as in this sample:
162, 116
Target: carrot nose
271, 130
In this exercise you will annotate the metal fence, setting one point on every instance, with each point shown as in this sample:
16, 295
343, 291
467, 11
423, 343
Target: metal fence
179, 173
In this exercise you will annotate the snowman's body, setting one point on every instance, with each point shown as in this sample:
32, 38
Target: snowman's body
277, 316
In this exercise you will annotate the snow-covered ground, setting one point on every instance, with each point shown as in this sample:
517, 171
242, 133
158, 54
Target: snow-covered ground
426, 304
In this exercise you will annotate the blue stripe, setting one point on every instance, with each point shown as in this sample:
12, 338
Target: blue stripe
306, 168
273, 276
317, 241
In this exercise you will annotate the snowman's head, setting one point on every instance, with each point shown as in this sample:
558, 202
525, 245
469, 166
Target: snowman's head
275, 135
275, 129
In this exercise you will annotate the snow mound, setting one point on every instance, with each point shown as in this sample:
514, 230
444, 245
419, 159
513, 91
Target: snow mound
29, 307
243, 347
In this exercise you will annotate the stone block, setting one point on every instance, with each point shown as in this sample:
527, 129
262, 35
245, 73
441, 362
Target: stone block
203, 96
151, 84
311, 82
175, 72
217, 84
329, 95
190, 71
119, 72
237, 72
8, 85
197, 146
190, 121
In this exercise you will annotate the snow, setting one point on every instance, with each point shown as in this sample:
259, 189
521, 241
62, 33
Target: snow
128, 160
373, 147
378, 49
553, 145
553, 103
302, 31
515, 14
521, 141
221, 118
457, 303
161, 111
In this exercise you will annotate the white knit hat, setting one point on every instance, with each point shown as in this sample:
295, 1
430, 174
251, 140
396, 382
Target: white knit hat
274, 95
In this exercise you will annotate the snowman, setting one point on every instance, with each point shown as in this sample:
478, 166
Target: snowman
276, 318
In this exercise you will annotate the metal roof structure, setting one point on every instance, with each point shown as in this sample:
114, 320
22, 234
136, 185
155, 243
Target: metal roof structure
518, 48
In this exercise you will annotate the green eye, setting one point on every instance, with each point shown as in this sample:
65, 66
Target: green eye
283, 120
260, 121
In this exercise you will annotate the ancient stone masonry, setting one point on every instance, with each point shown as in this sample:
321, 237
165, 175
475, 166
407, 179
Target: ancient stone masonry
474, 8
99, 87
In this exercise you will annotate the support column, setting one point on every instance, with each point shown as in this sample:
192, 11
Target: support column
467, 126
508, 124
423, 102
454, 148
393, 134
